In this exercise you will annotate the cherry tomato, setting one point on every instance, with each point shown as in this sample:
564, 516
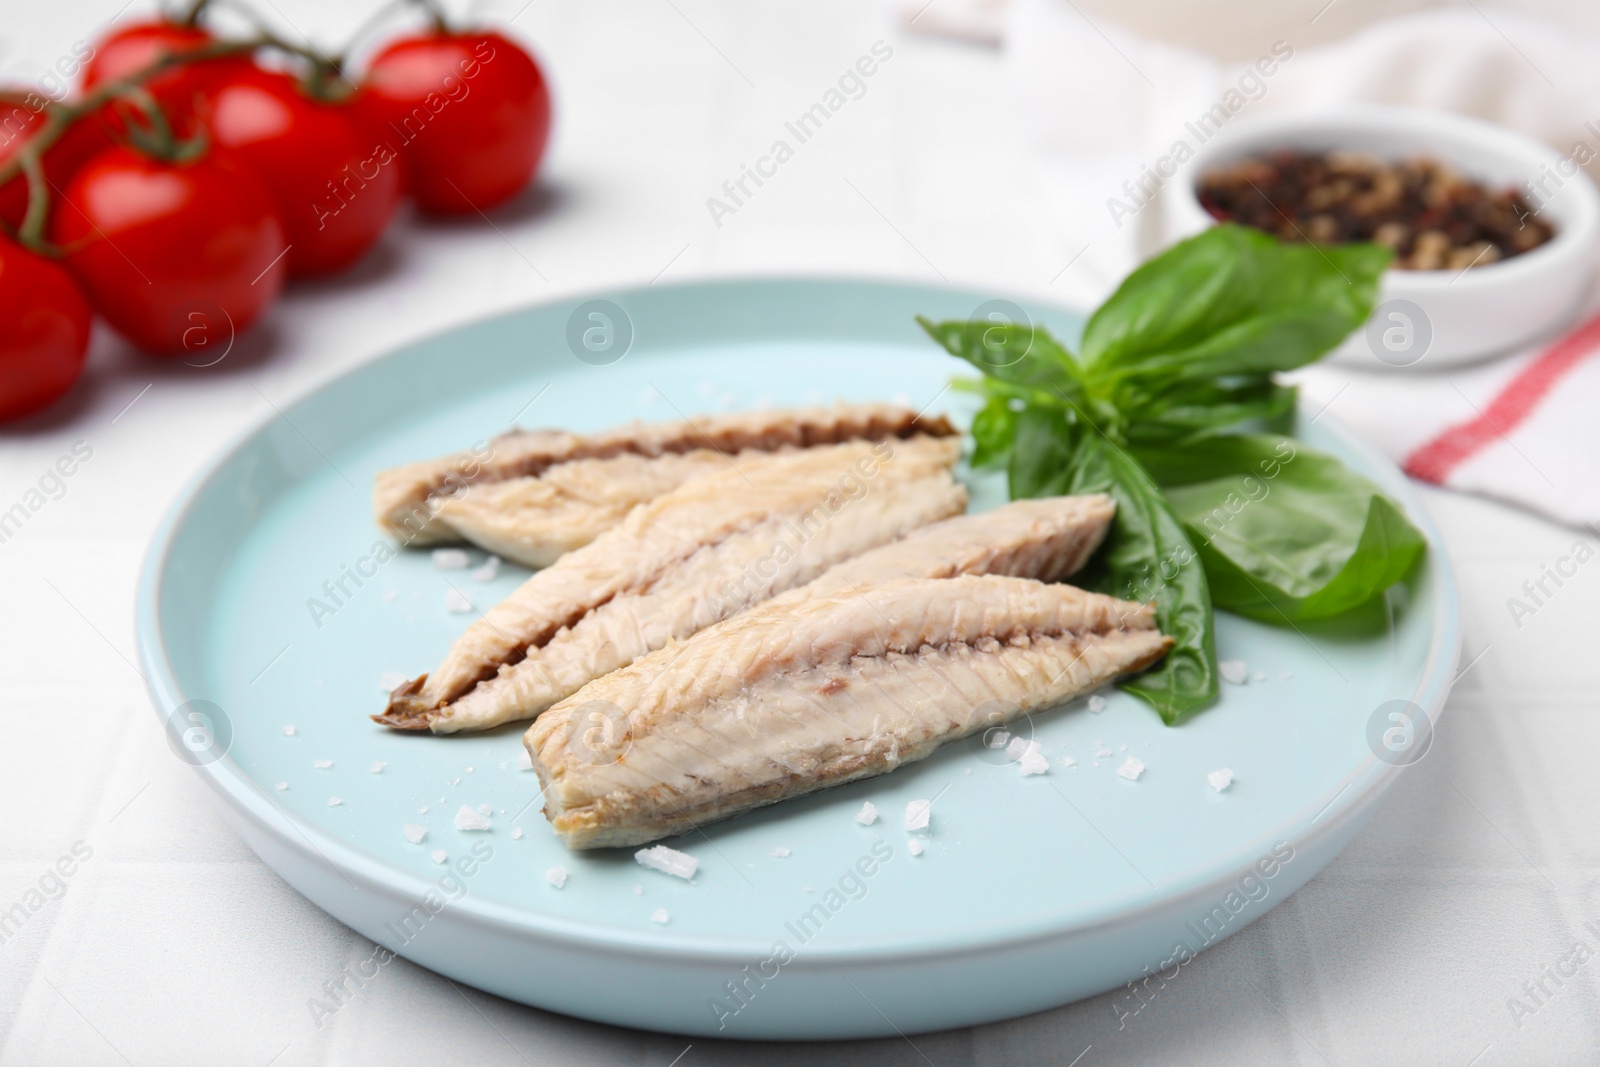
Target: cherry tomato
21, 114
178, 258
336, 186
470, 114
46, 334
180, 90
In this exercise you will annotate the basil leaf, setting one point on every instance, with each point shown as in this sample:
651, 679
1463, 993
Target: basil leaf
994, 428
1146, 557
1231, 301
1006, 352
1042, 451
1199, 409
1286, 533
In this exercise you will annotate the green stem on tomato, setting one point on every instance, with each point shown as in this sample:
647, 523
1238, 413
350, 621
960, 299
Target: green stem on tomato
435, 13
191, 16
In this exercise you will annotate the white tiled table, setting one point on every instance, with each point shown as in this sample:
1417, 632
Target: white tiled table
174, 945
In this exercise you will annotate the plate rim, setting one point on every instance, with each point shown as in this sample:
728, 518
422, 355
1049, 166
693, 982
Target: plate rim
1350, 797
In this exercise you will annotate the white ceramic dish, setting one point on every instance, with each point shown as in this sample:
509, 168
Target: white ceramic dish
1456, 316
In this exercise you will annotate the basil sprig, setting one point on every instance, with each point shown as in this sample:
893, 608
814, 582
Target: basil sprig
1175, 366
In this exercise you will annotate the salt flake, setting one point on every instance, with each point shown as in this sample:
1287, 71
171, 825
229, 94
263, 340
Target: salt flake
377, 766
779, 853
456, 602
389, 681
281, 786
489, 571
868, 813
470, 821
660, 917
917, 814
1131, 769
1234, 671
1097, 703
556, 876
334, 802
667, 861
288, 731
915, 846
438, 856
322, 764
1034, 762
524, 761
1220, 779
450, 559
414, 833
516, 833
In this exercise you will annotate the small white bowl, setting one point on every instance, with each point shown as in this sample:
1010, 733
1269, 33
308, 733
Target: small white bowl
1447, 316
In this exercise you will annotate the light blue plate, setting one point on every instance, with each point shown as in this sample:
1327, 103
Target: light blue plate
1031, 892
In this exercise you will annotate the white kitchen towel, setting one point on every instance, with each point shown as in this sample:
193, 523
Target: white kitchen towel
1105, 104
1524, 430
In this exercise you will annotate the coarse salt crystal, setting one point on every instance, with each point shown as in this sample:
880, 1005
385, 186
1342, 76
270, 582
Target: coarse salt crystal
1018, 746
423, 810
1234, 671
1034, 762
917, 814
334, 802
281, 786
556, 876
456, 602
1102, 753
1000, 739
667, 861
322, 764
1221, 779
438, 856
660, 917
516, 833
489, 571
414, 833
450, 559
288, 731
868, 813
1131, 769
524, 761
453, 781
915, 846
467, 769
1097, 703
779, 853
1068, 761
378, 765
484, 809
469, 820
389, 681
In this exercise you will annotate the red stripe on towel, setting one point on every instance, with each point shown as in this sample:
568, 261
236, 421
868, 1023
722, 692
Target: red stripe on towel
1437, 460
